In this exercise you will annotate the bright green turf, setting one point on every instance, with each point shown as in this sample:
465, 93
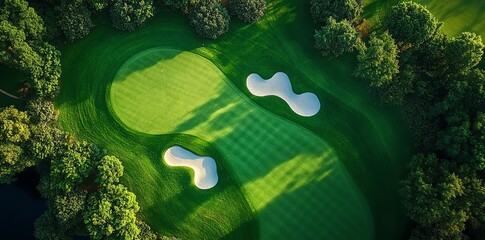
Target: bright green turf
459, 15
371, 142
280, 164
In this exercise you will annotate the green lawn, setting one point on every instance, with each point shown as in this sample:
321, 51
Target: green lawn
350, 140
459, 15
280, 164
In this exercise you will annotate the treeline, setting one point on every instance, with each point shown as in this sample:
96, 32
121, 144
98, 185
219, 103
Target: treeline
73, 19
435, 80
80, 182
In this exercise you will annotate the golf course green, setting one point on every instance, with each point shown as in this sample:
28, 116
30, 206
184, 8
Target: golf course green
160, 91
333, 175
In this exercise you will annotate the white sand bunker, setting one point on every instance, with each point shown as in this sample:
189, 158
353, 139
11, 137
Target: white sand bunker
305, 104
205, 168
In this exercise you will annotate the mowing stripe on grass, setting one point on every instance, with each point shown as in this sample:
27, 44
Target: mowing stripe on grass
276, 161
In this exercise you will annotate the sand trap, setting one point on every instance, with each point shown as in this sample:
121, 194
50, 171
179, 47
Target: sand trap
305, 104
205, 169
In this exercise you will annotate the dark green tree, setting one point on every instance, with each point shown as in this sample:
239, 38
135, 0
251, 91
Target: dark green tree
378, 62
336, 38
45, 77
42, 111
98, 5
465, 51
71, 167
75, 19
111, 214
47, 227
339, 10
248, 10
412, 23
110, 170
433, 196
24, 18
130, 14
209, 19
15, 132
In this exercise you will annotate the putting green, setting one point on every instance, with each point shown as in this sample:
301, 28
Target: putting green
293, 179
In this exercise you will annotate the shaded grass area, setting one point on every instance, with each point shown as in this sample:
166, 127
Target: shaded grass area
278, 162
372, 143
169, 201
11, 80
458, 15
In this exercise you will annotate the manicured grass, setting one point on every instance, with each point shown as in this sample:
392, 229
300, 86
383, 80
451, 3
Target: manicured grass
280, 164
371, 142
458, 15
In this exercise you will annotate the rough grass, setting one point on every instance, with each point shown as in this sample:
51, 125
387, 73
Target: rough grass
371, 142
277, 162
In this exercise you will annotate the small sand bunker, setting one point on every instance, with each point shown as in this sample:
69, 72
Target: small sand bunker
205, 168
305, 104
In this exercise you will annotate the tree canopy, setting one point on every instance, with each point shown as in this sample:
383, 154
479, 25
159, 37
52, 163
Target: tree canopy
209, 19
111, 214
378, 62
339, 10
248, 10
411, 23
130, 14
336, 38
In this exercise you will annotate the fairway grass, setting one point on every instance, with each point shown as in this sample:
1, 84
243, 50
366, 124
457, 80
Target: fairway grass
349, 140
458, 15
277, 162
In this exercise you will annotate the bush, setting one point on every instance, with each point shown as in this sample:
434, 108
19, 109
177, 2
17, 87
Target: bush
336, 38
130, 14
248, 10
210, 19
338, 9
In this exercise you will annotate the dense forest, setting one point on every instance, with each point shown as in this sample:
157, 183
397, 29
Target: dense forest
436, 81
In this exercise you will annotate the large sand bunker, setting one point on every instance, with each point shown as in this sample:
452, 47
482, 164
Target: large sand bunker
305, 104
205, 168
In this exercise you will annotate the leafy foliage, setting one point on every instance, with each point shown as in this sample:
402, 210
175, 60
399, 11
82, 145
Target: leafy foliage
110, 170
111, 214
465, 51
75, 19
248, 10
378, 62
209, 19
339, 10
411, 23
130, 14
336, 38
14, 133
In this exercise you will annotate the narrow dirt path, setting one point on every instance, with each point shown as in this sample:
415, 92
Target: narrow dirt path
8, 94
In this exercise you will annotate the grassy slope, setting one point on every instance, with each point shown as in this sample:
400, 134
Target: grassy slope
458, 15
168, 200
279, 163
370, 142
